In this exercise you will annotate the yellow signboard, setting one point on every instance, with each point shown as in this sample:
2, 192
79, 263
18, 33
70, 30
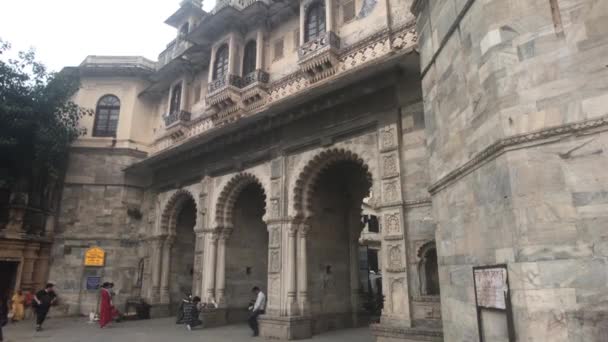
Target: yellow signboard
94, 256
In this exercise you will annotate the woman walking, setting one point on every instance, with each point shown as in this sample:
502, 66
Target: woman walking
18, 306
105, 307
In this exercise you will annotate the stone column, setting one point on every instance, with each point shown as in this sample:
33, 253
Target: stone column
166, 270
303, 269
395, 283
329, 15
199, 268
41, 268
354, 233
259, 58
211, 63
156, 245
212, 238
233, 63
30, 256
291, 270
220, 281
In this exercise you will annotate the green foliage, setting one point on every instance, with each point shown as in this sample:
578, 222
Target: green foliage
38, 120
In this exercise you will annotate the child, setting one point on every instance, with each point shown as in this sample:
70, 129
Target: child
191, 313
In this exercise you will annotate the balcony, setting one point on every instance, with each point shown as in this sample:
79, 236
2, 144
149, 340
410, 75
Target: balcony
319, 58
176, 123
223, 98
174, 50
254, 90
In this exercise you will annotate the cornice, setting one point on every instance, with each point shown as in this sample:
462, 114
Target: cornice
516, 141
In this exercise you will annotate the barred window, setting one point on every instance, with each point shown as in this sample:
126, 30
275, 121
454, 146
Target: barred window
220, 66
315, 21
176, 98
106, 116
249, 58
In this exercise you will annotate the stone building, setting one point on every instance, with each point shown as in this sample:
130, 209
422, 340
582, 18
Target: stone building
244, 155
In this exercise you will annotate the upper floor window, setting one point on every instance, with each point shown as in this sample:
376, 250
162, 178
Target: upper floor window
183, 31
315, 21
106, 116
176, 98
249, 58
220, 65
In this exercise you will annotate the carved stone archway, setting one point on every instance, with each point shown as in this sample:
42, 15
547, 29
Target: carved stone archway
172, 209
304, 185
225, 248
229, 195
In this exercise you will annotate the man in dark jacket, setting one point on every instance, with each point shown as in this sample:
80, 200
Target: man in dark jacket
42, 303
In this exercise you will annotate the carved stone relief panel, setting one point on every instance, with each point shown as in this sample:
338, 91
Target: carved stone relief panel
395, 259
392, 224
275, 208
275, 237
275, 261
391, 191
390, 165
388, 137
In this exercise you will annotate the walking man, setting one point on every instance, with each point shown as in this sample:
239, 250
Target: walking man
43, 301
259, 308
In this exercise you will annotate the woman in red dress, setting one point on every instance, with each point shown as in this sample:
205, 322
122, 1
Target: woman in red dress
105, 307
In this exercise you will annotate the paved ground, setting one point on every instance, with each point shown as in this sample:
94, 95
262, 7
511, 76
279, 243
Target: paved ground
158, 330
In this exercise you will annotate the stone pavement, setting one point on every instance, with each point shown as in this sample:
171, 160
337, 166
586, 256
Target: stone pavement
157, 330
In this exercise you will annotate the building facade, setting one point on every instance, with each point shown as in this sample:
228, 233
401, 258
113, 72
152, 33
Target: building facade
249, 153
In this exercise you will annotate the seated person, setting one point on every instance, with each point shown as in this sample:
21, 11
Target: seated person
191, 313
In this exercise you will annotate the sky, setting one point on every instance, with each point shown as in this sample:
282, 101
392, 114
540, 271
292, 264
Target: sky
64, 32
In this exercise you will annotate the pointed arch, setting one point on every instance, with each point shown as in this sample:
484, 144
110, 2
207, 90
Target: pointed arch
172, 209
304, 185
229, 195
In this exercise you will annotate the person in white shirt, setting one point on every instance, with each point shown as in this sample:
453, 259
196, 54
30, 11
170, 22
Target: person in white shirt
259, 308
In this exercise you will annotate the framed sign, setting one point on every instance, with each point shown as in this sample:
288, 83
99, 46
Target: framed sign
93, 283
492, 293
95, 257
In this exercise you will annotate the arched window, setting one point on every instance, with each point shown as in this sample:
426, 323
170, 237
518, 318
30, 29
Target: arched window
315, 21
220, 66
428, 270
249, 58
106, 116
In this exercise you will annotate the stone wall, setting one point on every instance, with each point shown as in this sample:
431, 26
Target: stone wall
513, 94
94, 211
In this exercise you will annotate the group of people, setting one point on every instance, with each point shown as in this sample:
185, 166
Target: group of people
41, 303
190, 307
188, 312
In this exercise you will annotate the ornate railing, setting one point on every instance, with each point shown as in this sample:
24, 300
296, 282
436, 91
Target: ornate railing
177, 116
228, 80
257, 76
327, 40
